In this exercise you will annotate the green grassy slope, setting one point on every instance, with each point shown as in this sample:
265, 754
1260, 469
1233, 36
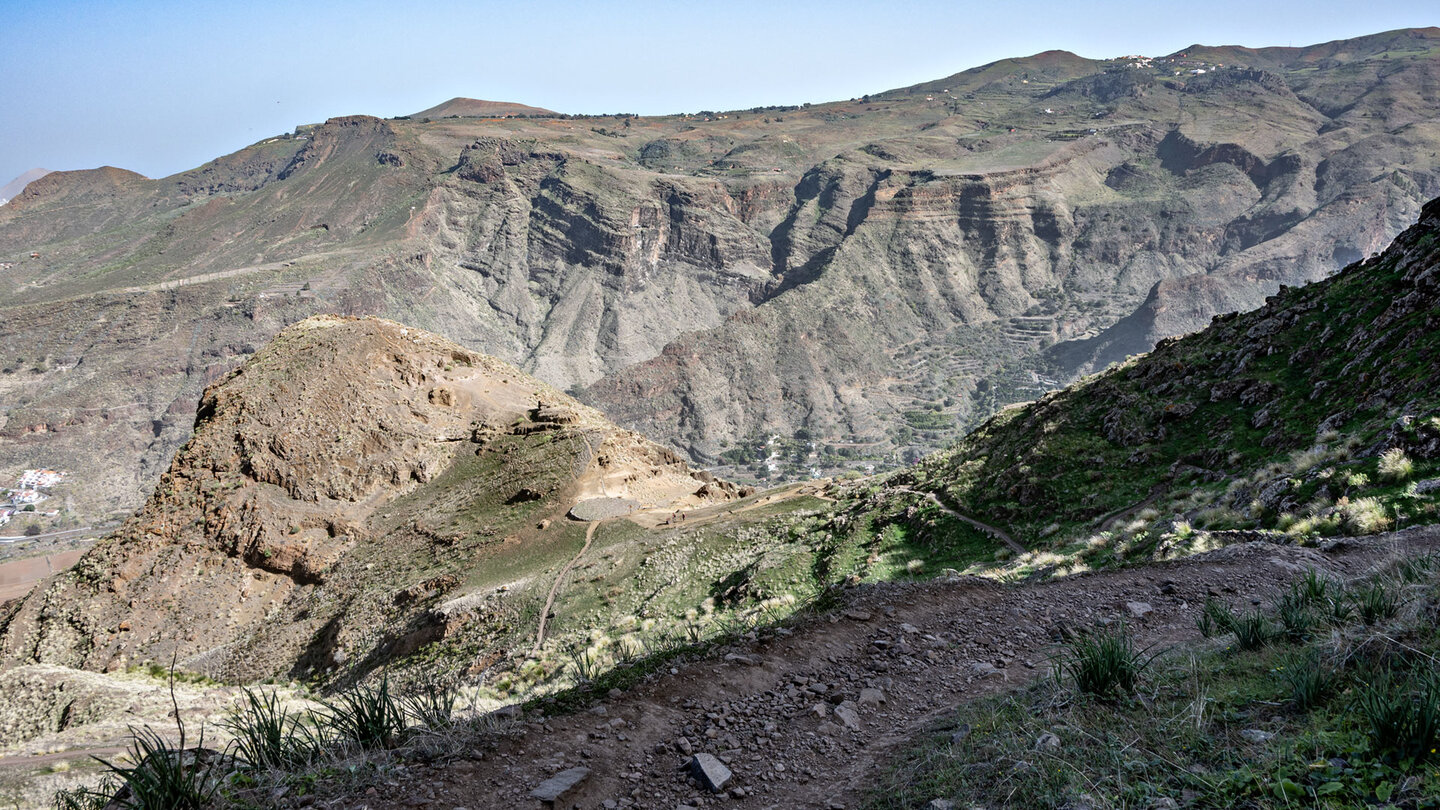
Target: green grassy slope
1314, 414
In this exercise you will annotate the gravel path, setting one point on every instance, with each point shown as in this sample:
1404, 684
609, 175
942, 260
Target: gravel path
809, 718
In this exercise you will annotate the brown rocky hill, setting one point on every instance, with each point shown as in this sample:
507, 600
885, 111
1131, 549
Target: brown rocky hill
878, 272
336, 485
13, 188
479, 108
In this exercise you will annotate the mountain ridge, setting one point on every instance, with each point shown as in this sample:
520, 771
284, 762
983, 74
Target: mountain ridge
958, 235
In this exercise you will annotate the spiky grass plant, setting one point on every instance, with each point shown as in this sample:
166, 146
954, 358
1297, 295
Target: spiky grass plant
1314, 587
1102, 664
371, 717
264, 735
1376, 601
1417, 568
431, 703
1217, 616
1402, 719
86, 798
1252, 630
164, 777
1296, 617
1309, 679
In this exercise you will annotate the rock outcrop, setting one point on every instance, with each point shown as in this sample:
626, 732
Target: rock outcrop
336, 485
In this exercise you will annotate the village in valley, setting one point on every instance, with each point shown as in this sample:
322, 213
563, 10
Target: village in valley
31, 489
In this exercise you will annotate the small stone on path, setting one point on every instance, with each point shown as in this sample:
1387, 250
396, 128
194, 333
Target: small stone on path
1139, 610
709, 772
561, 783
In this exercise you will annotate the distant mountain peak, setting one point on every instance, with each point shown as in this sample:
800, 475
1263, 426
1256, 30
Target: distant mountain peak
461, 107
12, 189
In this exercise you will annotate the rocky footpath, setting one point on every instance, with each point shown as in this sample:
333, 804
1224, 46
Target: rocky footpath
804, 717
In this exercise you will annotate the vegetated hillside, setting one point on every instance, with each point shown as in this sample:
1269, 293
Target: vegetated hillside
878, 272
337, 486
1315, 414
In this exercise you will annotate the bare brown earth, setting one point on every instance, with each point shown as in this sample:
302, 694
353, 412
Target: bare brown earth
17, 577
768, 708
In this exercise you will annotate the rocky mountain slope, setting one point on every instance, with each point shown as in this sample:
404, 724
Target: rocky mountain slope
336, 486
1315, 414
877, 272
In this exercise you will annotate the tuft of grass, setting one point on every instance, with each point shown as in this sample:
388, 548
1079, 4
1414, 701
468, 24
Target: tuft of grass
1218, 616
1402, 719
1376, 601
431, 703
1102, 664
371, 717
83, 798
1295, 615
164, 777
1252, 630
1417, 568
1395, 466
265, 736
1309, 680
1314, 588
1363, 515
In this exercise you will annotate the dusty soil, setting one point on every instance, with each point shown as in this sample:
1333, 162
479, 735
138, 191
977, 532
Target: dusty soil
17, 577
771, 709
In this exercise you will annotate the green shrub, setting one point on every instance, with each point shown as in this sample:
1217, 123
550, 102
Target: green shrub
1102, 664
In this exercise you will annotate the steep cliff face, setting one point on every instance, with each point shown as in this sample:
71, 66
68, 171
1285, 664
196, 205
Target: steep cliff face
335, 485
880, 272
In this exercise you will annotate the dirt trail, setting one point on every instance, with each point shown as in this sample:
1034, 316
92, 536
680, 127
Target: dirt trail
555, 588
770, 708
994, 531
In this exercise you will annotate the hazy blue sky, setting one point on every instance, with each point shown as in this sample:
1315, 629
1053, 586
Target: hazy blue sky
160, 87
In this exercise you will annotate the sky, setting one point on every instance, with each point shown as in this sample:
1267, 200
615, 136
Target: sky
160, 87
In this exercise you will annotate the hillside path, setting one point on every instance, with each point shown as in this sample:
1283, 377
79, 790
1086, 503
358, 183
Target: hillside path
560, 578
812, 717
994, 531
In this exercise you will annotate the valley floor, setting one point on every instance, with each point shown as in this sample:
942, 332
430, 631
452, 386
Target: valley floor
902, 655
